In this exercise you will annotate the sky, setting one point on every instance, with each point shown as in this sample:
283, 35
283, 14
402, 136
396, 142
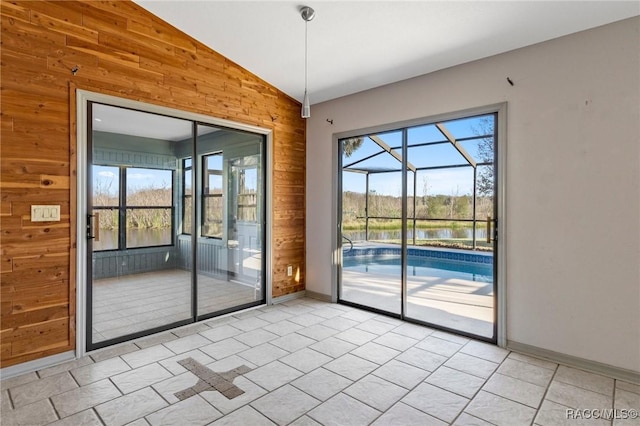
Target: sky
106, 177
452, 181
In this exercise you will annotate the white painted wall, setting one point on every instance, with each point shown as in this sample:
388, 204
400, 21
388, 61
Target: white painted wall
573, 182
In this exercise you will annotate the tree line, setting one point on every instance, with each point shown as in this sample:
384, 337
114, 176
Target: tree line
438, 206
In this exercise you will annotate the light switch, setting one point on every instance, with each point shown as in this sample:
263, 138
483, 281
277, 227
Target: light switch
45, 213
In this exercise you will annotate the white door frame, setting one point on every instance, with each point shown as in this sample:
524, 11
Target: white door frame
82, 98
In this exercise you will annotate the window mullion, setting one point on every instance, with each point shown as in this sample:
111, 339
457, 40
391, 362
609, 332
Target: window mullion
122, 210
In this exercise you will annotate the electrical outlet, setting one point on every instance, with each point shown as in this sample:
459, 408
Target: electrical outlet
45, 213
289, 271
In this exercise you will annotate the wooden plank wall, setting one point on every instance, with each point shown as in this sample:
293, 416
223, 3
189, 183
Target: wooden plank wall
119, 49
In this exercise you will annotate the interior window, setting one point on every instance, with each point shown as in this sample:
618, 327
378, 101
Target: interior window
187, 209
212, 195
139, 198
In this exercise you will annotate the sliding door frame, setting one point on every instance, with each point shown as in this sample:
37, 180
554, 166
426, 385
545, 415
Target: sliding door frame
83, 97
500, 147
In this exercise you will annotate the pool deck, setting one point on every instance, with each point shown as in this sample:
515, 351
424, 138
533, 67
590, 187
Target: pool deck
443, 299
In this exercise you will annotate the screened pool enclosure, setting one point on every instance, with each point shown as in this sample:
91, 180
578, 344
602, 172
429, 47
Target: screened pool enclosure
417, 222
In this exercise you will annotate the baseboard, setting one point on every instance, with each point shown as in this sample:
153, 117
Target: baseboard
319, 296
37, 364
577, 362
288, 297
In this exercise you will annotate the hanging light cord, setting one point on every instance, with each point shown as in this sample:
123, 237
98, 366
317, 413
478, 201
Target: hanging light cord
306, 48
307, 14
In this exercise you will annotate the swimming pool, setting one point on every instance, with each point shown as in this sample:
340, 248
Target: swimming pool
421, 262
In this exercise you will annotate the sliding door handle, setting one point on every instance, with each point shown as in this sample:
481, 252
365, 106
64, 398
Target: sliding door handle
93, 226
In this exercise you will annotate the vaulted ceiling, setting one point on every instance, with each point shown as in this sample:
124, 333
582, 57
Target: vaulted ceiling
358, 45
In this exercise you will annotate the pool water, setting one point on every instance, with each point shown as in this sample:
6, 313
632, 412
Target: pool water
420, 267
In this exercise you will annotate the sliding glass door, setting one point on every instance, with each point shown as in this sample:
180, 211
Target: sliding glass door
371, 212
175, 222
137, 282
417, 222
450, 279
230, 217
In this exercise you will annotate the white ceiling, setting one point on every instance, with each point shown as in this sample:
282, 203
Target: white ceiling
358, 45
113, 119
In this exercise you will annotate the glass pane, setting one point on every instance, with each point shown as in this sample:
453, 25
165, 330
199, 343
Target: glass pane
106, 186
411, 204
212, 200
186, 197
107, 235
380, 163
428, 133
451, 289
485, 208
212, 216
471, 126
136, 291
188, 176
444, 208
213, 174
230, 251
481, 149
354, 205
106, 190
449, 280
148, 227
484, 203
246, 181
471, 147
435, 155
214, 162
371, 226
370, 153
356, 149
215, 185
411, 188
149, 187
187, 215
385, 195
444, 193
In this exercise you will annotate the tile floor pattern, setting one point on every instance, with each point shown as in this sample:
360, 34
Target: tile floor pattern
312, 363
137, 302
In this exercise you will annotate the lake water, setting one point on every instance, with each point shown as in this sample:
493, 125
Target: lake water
135, 238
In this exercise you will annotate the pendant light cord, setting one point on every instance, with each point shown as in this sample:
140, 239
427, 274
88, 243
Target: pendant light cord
306, 48
307, 14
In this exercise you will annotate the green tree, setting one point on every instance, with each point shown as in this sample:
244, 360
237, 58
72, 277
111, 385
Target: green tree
486, 152
461, 206
437, 206
351, 145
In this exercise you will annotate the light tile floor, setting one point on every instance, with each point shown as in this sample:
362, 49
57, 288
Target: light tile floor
132, 303
313, 363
